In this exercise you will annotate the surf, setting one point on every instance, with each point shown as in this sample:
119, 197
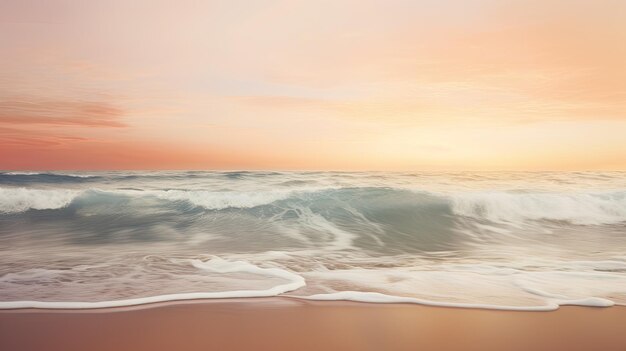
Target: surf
523, 240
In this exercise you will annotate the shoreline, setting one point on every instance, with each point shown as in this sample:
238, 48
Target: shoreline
283, 323
378, 299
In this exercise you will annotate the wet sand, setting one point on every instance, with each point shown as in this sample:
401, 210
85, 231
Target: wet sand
289, 324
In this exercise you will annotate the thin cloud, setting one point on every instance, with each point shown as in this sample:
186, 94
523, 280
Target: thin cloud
12, 137
24, 111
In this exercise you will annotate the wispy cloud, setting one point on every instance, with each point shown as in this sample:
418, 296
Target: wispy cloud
14, 138
318, 84
29, 111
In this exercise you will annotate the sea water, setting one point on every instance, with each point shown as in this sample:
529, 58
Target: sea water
506, 240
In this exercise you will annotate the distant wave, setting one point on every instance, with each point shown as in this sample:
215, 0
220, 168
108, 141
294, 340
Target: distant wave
28, 178
14, 200
121, 176
75, 175
22, 173
597, 208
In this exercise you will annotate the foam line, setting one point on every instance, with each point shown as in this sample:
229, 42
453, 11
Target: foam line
216, 265
374, 297
589, 301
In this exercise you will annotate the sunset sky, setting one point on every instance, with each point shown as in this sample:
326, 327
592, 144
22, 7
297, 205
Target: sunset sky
345, 85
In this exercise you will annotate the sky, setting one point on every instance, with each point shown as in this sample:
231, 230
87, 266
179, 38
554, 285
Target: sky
313, 85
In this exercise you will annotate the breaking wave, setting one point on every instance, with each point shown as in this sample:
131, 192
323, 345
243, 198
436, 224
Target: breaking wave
576, 208
14, 200
593, 208
517, 240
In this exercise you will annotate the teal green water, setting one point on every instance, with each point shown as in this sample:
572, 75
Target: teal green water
496, 238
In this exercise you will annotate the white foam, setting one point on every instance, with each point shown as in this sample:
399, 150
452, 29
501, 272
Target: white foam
501, 207
13, 200
588, 301
573, 288
76, 175
374, 297
341, 239
23, 173
601, 265
216, 265
217, 200
509, 207
473, 286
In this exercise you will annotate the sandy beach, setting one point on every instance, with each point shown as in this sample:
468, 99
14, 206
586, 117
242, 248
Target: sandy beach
289, 324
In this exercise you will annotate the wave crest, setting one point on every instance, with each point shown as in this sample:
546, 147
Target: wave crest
215, 200
576, 208
497, 207
13, 200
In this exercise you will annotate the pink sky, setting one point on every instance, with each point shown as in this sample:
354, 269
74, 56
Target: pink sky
385, 85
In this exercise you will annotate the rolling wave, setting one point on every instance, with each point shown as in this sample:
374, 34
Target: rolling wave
577, 208
30, 178
592, 208
517, 240
13, 200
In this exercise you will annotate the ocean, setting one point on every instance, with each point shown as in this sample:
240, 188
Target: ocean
502, 240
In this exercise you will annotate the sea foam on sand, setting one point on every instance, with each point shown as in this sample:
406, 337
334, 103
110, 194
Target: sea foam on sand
294, 281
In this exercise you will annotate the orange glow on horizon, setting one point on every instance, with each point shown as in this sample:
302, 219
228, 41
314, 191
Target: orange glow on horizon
345, 85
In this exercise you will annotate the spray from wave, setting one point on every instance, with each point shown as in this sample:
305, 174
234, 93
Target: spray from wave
516, 241
591, 208
578, 208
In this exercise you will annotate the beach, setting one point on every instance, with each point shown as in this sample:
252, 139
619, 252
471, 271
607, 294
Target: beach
203, 260
279, 323
312, 175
